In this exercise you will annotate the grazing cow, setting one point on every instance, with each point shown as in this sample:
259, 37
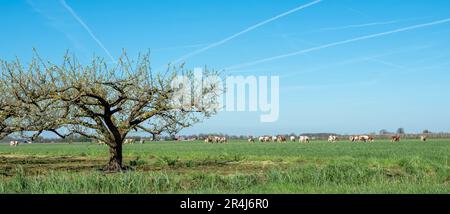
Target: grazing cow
223, 140
371, 139
14, 143
213, 139
216, 139
293, 138
423, 138
274, 138
266, 139
354, 138
281, 139
128, 141
100, 142
363, 138
303, 139
332, 138
252, 140
208, 140
261, 139
395, 138
142, 141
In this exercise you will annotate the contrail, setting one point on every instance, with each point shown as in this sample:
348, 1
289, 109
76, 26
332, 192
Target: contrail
390, 64
246, 31
324, 86
180, 47
374, 58
52, 21
367, 24
360, 25
339, 43
72, 12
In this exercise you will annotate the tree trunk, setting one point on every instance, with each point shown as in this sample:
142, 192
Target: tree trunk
115, 158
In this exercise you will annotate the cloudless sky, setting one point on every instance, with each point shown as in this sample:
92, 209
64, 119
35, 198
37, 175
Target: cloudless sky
398, 80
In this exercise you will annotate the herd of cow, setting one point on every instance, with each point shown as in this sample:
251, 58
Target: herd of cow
283, 139
15, 143
216, 139
263, 139
126, 141
301, 139
331, 138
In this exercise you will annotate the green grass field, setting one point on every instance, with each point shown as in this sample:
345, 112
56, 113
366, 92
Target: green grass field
238, 167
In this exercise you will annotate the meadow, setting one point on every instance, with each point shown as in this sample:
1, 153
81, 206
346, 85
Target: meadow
409, 166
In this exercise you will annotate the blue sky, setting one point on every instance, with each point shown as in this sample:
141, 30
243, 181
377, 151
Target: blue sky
395, 80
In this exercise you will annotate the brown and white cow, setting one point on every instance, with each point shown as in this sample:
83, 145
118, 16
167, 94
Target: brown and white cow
281, 139
354, 138
274, 138
251, 139
128, 141
261, 139
209, 139
395, 138
423, 138
363, 138
292, 138
332, 138
223, 140
217, 139
303, 139
14, 143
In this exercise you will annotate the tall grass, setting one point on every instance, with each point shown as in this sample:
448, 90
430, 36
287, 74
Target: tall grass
348, 177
